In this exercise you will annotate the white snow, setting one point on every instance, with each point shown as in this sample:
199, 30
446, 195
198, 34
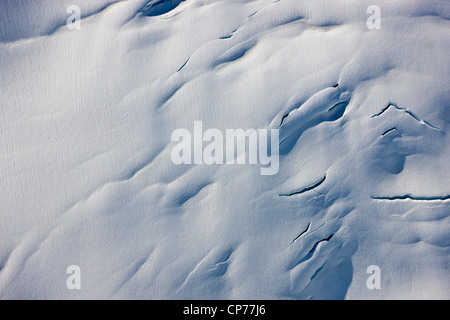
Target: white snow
85, 138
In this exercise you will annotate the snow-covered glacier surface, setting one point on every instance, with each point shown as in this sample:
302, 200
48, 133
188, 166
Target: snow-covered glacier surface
87, 177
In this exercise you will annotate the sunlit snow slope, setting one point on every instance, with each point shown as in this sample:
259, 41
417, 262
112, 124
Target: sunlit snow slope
85, 149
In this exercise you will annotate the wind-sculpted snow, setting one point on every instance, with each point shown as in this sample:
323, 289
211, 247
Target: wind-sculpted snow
23, 19
326, 105
85, 137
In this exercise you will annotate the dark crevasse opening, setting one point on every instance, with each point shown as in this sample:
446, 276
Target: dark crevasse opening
159, 7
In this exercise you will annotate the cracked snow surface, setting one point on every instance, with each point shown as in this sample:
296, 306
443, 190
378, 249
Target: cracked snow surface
85, 137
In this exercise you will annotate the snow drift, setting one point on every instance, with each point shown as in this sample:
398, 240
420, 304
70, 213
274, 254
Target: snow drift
87, 179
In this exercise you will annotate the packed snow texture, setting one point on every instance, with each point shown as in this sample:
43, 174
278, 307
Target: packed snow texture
87, 178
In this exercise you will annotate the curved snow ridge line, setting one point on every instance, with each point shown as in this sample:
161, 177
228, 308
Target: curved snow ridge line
235, 53
213, 263
226, 37
311, 252
170, 94
132, 173
19, 257
407, 111
305, 232
389, 131
327, 93
301, 233
409, 197
280, 19
140, 166
135, 268
439, 12
318, 270
305, 189
289, 21
308, 25
186, 195
184, 64
252, 14
327, 105
4, 259
318, 242
63, 23
230, 35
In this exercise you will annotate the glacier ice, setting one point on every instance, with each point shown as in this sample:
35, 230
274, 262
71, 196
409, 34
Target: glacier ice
87, 178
